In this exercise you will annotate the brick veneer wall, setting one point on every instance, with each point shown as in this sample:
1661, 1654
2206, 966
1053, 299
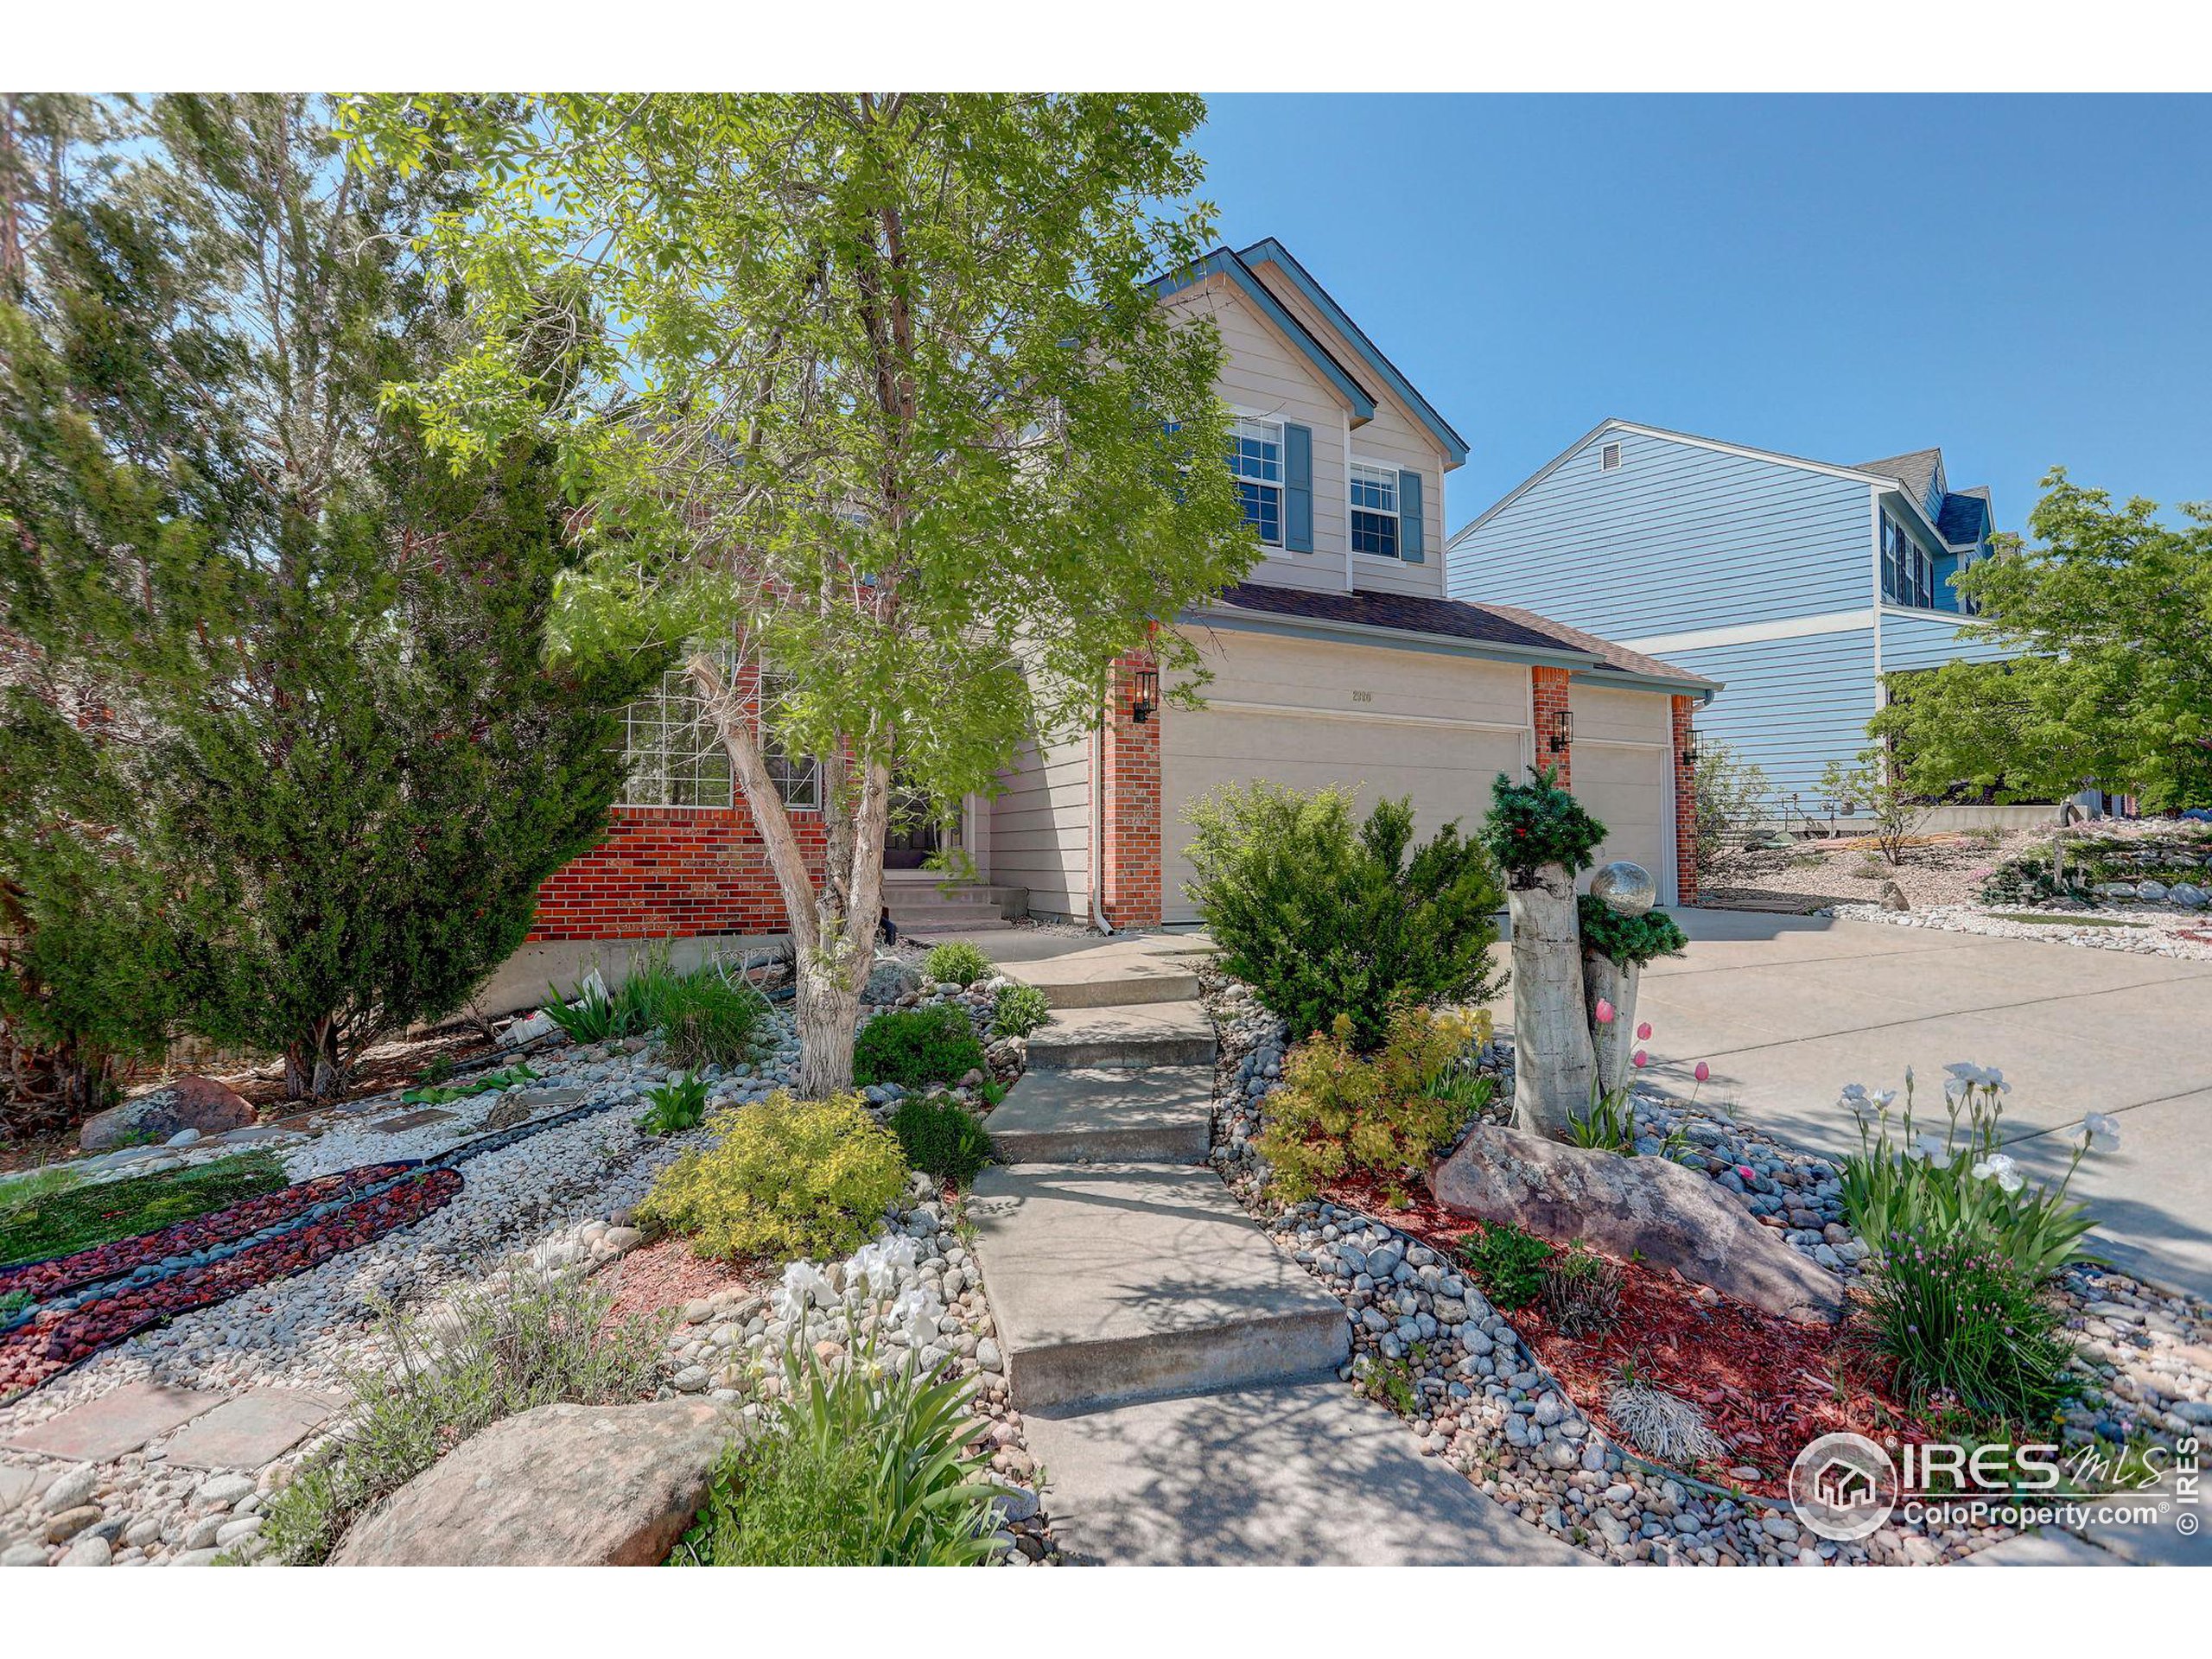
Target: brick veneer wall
1548, 697
1132, 856
674, 872
1685, 805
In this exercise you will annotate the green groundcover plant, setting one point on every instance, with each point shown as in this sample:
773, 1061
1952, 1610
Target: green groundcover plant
41, 1216
916, 1047
1508, 1262
856, 1467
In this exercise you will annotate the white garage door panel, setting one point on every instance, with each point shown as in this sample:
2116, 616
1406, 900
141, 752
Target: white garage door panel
1624, 787
1447, 770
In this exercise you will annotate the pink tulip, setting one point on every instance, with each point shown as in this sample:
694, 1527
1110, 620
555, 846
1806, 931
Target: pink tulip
1703, 1072
1640, 1057
1747, 1172
1605, 1011
1644, 1032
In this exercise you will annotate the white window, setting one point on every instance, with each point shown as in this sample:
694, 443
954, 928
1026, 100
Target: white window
1255, 461
1610, 461
676, 756
1374, 510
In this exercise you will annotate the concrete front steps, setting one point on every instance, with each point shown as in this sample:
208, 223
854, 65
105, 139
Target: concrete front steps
1112, 1282
1108, 977
926, 908
1151, 1033
1160, 1115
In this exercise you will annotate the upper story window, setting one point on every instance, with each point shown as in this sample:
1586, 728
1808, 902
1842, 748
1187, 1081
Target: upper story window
1374, 510
1908, 573
676, 756
1256, 460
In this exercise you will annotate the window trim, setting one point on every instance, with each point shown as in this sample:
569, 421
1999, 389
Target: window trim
1279, 484
1395, 512
734, 798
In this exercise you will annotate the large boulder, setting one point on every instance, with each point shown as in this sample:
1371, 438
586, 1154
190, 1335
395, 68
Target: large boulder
199, 1103
558, 1487
891, 978
1675, 1217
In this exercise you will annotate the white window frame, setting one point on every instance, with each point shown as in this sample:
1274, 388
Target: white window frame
1395, 512
700, 757
1278, 484
798, 784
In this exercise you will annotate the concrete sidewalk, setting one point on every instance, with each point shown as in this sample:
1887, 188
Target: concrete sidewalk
1788, 1009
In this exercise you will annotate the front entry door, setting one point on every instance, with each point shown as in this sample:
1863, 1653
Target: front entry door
912, 836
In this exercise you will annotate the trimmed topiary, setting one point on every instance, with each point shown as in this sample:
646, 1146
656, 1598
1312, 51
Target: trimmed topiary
1538, 822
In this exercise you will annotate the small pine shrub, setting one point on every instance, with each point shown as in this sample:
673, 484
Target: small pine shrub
675, 1106
1508, 1262
1629, 940
915, 1048
1340, 1113
784, 1178
957, 962
1021, 1009
1321, 919
939, 1136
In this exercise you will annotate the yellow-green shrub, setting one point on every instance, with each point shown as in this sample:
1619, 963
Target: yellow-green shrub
784, 1178
1385, 1115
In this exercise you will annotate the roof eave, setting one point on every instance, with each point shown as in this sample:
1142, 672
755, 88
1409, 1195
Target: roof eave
1224, 262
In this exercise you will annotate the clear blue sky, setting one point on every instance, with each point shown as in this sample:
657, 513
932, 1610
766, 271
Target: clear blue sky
2024, 282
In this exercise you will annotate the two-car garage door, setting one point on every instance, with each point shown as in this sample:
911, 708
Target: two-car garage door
1376, 721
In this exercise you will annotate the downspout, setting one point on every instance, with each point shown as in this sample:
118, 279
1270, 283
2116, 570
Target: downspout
1098, 824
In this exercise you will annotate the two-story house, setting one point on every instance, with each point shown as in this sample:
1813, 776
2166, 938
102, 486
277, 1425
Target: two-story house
1339, 660
1802, 584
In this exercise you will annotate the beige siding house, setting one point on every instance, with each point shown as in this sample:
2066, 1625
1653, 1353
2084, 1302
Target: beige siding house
1339, 660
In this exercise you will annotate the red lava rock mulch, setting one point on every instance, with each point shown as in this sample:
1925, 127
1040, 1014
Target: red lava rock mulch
1767, 1387
667, 1274
51, 1344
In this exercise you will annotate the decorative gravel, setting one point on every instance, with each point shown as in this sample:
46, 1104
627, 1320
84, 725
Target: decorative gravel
2142, 932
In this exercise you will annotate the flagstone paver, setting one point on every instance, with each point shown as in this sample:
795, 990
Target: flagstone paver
119, 1421
251, 1430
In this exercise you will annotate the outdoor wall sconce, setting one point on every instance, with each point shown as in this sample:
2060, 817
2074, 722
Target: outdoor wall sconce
1562, 732
1144, 695
1689, 753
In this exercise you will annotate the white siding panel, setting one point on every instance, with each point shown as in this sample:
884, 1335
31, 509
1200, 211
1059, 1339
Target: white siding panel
1041, 827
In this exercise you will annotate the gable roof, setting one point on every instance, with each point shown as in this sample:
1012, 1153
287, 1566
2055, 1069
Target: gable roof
1915, 470
1508, 630
1966, 515
1224, 262
1268, 251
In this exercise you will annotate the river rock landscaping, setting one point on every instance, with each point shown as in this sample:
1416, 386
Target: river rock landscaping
399, 1202
1523, 1410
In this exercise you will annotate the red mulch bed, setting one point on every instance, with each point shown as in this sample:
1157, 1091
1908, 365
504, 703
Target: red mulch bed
667, 1274
1767, 1387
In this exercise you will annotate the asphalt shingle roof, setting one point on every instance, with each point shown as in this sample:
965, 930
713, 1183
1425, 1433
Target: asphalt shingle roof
1495, 624
1961, 518
1916, 471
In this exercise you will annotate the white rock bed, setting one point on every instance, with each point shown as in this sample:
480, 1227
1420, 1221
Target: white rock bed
556, 1198
2155, 933
1474, 1395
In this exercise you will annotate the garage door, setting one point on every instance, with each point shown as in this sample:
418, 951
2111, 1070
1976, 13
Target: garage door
1624, 787
1380, 723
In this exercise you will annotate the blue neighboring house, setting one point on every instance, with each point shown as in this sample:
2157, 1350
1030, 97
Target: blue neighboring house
1798, 584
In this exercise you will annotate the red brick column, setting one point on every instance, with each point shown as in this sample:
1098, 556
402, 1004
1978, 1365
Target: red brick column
1548, 687
1131, 857
1685, 805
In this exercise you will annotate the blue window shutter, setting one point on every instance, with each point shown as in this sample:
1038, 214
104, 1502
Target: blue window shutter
1298, 489
1409, 524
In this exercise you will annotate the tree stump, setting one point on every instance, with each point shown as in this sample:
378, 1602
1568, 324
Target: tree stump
1553, 1062
1612, 1044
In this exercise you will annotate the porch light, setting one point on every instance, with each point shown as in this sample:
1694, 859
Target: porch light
1562, 732
1144, 697
1689, 752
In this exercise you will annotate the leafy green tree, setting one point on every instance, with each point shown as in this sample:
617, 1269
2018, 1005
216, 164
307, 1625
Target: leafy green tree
300, 663
878, 401
2113, 609
1731, 795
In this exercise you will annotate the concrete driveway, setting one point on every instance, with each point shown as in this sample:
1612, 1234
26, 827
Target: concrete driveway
1787, 1009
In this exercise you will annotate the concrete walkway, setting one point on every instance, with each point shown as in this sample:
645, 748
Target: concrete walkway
1174, 1367
1788, 1009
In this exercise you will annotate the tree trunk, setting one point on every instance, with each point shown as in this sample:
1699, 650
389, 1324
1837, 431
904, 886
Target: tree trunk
313, 1064
1553, 1064
828, 1010
1612, 1043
